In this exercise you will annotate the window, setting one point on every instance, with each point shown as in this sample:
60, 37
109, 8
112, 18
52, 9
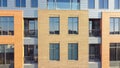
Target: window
91, 4
117, 4
54, 25
114, 51
30, 27
6, 54
34, 3
7, 25
73, 25
94, 52
114, 25
30, 54
3, 3
54, 51
72, 51
20, 3
64, 4
94, 28
103, 4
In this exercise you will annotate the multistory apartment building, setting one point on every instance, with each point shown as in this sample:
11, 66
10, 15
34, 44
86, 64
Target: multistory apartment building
59, 33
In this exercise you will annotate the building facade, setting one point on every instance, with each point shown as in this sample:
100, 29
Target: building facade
59, 33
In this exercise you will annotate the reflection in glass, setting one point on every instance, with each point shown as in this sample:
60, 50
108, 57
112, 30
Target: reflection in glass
64, 4
114, 25
114, 51
54, 25
73, 25
3, 3
20, 3
72, 51
54, 51
30, 27
94, 52
7, 25
30, 54
117, 4
34, 3
91, 4
103, 4
6, 54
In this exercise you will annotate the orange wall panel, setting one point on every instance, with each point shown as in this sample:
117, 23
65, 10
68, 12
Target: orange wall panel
17, 38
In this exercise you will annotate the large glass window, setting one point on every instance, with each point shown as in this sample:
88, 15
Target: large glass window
103, 4
34, 3
94, 28
54, 25
54, 51
3, 3
91, 4
20, 3
30, 54
114, 25
7, 25
73, 25
94, 52
6, 54
117, 4
64, 4
115, 52
30, 27
72, 51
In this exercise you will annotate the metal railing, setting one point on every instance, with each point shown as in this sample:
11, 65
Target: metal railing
95, 33
30, 59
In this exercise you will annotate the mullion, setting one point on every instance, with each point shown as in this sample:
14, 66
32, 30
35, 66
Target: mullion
72, 27
72, 55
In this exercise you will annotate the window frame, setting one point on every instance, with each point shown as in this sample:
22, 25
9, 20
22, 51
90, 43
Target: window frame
103, 5
116, 47
53, 24
20, 4
93, 7
8, 21
5, 61
73, 26
33, 6
112, 26
71, 50
94, 57
3, 3
52, 57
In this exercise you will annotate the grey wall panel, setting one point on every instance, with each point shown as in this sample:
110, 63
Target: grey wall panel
30, 65
42, 4
94, 40
94, 65
30, 41
83, 4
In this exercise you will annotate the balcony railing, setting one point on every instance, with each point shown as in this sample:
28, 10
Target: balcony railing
30, 59
94, 33
63, 5
30, 33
